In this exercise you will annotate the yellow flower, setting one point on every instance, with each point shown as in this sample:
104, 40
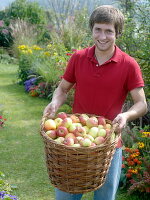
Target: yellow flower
29, 51
46, 53
134, 171
49, 46
141, 145
22, 47
35, 47
145, 134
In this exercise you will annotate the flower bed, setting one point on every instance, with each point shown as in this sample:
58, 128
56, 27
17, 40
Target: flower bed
136, 162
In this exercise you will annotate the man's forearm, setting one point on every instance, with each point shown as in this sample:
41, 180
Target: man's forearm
59, 97
137, 110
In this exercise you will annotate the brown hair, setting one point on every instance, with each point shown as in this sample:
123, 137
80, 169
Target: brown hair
108, 14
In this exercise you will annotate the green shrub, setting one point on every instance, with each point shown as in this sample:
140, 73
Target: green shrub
6, 39
29, 11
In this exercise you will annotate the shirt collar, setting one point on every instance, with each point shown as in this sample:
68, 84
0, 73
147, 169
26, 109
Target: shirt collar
116, 57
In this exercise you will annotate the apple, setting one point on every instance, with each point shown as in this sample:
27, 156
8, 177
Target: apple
66, 122
86, 142
91, 122
99, 140
50, 125
74, 118
76, 145
100, 126
71, 135
61, 115
108, 126
68, 141
101, 120
93, 132
72, 127
93, 144
79, 138
52, 134
61, 131
78, 124
79, 131
90, 137
60, 140
58, 121
101, 132
83, 118
86, 128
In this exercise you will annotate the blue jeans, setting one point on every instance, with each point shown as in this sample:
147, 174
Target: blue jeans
108, 190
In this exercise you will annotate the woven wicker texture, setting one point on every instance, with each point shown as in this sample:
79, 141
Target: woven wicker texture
77, 170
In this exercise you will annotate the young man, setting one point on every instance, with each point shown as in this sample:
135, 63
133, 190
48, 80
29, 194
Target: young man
103, 75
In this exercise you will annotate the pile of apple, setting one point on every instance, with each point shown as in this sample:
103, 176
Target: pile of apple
78, 130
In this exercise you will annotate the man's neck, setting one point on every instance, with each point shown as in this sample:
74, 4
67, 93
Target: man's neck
103, 56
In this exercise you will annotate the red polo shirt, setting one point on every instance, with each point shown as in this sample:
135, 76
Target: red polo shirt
102, 89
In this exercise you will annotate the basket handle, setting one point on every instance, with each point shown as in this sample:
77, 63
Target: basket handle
115, 127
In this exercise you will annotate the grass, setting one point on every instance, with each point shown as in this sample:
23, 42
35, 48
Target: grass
21, 146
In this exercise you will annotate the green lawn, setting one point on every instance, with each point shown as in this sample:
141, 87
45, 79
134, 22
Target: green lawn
21, 147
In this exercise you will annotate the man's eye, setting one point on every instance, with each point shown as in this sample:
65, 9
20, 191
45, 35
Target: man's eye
109, 31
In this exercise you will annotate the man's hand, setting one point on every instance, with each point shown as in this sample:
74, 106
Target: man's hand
50, 110
121, 119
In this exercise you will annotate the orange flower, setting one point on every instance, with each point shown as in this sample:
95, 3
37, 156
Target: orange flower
135, 160
139, 162
127, 149
129, 171
123, 165
130, 163
128, 175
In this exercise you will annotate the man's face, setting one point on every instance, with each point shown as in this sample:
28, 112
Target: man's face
104, 36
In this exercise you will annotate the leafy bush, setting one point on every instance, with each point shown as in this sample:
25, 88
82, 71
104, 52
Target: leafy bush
6, 39
136, 38
28, 11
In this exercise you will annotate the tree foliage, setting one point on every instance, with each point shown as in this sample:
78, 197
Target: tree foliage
136, 37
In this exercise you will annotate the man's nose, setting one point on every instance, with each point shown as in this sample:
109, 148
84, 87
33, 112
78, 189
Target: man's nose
102, 35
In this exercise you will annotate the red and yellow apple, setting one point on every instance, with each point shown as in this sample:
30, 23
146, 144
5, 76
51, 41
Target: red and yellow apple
52, 134
93, 132
92, 122
61, 115
50, 125
61, 131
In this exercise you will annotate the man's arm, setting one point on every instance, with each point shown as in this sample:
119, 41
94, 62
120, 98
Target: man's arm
59, 97
137, 110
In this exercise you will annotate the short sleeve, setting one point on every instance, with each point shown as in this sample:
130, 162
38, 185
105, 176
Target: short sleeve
69, 74
134, 79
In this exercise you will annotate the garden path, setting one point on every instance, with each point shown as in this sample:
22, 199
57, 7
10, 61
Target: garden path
21, 147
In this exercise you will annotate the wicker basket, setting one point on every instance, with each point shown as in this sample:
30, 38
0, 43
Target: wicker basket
77, 170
